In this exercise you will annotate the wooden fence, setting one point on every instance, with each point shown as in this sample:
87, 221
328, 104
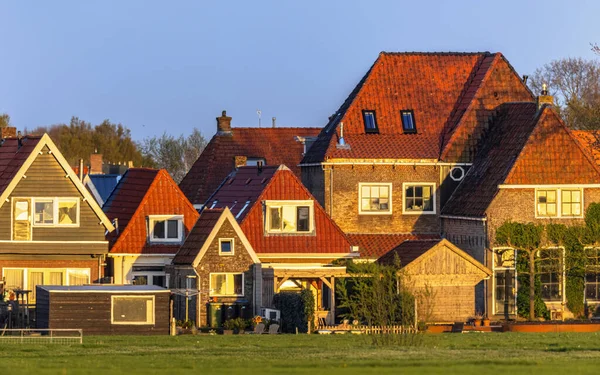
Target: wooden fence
368, 329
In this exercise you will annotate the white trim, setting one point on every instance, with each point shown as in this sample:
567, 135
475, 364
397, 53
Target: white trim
224, 295
180, 228
389, 211
550, 186
559, 214
415, 162
462, 176
433, 196
55, 202
268, 204
46, 141
232, 252
494, 268
146, 297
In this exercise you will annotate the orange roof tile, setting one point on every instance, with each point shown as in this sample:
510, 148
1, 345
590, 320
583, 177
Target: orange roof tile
590, 140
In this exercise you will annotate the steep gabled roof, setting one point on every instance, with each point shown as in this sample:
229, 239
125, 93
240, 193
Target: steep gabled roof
139, 193
439, 87
203, 233
524, 146
276, 183
375, 245
276, 145
16, 156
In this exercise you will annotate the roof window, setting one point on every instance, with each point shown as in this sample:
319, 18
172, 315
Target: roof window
370, 121
408, 121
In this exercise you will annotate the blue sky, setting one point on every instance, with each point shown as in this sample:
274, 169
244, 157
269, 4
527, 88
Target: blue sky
159, 66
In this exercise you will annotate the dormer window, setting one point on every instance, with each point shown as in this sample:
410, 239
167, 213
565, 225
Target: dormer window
370, 121
165, 228
289, 217
408, 121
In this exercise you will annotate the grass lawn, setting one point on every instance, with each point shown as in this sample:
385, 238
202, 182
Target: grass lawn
472, 353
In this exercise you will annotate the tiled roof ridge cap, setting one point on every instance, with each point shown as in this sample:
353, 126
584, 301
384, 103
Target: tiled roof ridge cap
275, 128
437, 53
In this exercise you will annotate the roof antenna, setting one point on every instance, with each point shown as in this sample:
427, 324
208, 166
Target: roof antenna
259, 113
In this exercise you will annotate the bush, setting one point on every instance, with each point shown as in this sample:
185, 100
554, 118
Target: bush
297, 309
238, 324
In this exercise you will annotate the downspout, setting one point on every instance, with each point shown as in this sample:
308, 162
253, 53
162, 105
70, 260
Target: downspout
485, 256
331, 192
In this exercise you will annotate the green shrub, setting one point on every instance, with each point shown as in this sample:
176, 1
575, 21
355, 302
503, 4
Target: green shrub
297, 309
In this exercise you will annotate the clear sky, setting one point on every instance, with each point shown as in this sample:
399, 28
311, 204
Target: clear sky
158, 66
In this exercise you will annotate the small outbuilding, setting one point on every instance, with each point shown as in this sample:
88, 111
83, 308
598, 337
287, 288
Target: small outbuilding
105, 309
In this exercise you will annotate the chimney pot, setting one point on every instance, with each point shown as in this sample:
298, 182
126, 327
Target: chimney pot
544, 98
274, 119
224, 123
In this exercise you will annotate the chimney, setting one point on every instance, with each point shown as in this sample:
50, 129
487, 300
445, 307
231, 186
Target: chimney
8, 132
80, 169
224, 124
544, 98
240, 161
96, 164
274, 119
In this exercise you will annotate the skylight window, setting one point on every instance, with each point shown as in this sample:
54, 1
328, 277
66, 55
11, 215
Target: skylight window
370, 122
408, 121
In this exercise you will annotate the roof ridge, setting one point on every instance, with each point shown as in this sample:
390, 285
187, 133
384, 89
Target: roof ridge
437, 53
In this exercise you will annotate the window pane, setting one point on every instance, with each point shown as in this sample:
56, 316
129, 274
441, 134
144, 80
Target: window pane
159, 229
407, 121
67, 212
44, 212
576, 196
239, 286
275, 218
551, 209
132, 310
289, 218
365, 192
384, 191
384, 204
78, 277
410, 192
551, 196
173, 229
13, 278
303, 219
226, 246
21, 211
366, 204
159, 281
576, 209
566, 209
541, 197
218, 283
34, 278
566, 196
374, 191
369, 118
56, 278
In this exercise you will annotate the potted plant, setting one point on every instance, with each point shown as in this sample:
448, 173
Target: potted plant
486, 321
477, 319
228, 326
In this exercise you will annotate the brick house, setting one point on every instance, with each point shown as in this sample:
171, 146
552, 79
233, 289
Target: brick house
291, 234
390, 157
233, 147
152, 217
530, 169
51, 228
217, 263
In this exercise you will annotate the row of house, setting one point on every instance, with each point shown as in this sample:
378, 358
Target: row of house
425, 159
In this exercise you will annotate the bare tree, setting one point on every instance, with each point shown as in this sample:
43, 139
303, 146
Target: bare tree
575, 84
4, 120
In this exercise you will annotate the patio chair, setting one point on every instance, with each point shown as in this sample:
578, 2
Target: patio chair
274, 329
259, 329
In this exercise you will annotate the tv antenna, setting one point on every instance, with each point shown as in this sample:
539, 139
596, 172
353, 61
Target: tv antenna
259, 113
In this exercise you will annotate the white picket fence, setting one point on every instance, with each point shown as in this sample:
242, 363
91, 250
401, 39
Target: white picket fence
394, 329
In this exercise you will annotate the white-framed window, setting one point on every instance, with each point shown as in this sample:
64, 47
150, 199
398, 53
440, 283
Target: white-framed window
29, 278
592, 274
551, 272
132, 310
226, 284
419, 198
289, 217
53, 212
558, 203
226, 246
505, 281
375, 198
165, 228
149, 275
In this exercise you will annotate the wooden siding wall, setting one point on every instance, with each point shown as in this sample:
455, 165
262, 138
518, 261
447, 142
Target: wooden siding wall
92, 313
46, 178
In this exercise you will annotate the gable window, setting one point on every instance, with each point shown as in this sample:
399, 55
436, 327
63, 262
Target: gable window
226, 284
551, 273
375, 198
559, 202
165, 228
226, 246
408, 121
592, 274
54, 212
419, 198
370, 121
132, 310
289, 216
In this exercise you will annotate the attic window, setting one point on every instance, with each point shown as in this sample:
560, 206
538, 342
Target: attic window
408, 121
370, 121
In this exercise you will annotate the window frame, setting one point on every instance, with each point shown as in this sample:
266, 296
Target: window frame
227, 254
270, 204
560, 272
414, 123
55, 215
146, 297
502, 268
46, 273
152, 219
596, 273
559, 203
433, 186
375, 130
210, 284
389, 211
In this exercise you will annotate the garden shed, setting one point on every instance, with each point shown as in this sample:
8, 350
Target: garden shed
105, 309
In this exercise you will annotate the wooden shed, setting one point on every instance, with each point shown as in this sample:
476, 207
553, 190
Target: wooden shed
105, 309
441, 276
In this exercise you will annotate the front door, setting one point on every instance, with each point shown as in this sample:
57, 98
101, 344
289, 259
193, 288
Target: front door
505, 291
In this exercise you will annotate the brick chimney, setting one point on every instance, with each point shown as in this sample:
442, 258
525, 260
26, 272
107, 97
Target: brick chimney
224, 124
240, 161
96, 164
544, 98
8, 132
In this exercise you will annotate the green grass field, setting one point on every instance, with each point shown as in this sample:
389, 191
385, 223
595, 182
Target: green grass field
471, 353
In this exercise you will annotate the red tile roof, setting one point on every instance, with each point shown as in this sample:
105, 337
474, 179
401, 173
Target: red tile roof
408, 251
13, 156
198, 235
443, 89
524, 147
276, 183
590, 140
376, 245
276, 145
142, 192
